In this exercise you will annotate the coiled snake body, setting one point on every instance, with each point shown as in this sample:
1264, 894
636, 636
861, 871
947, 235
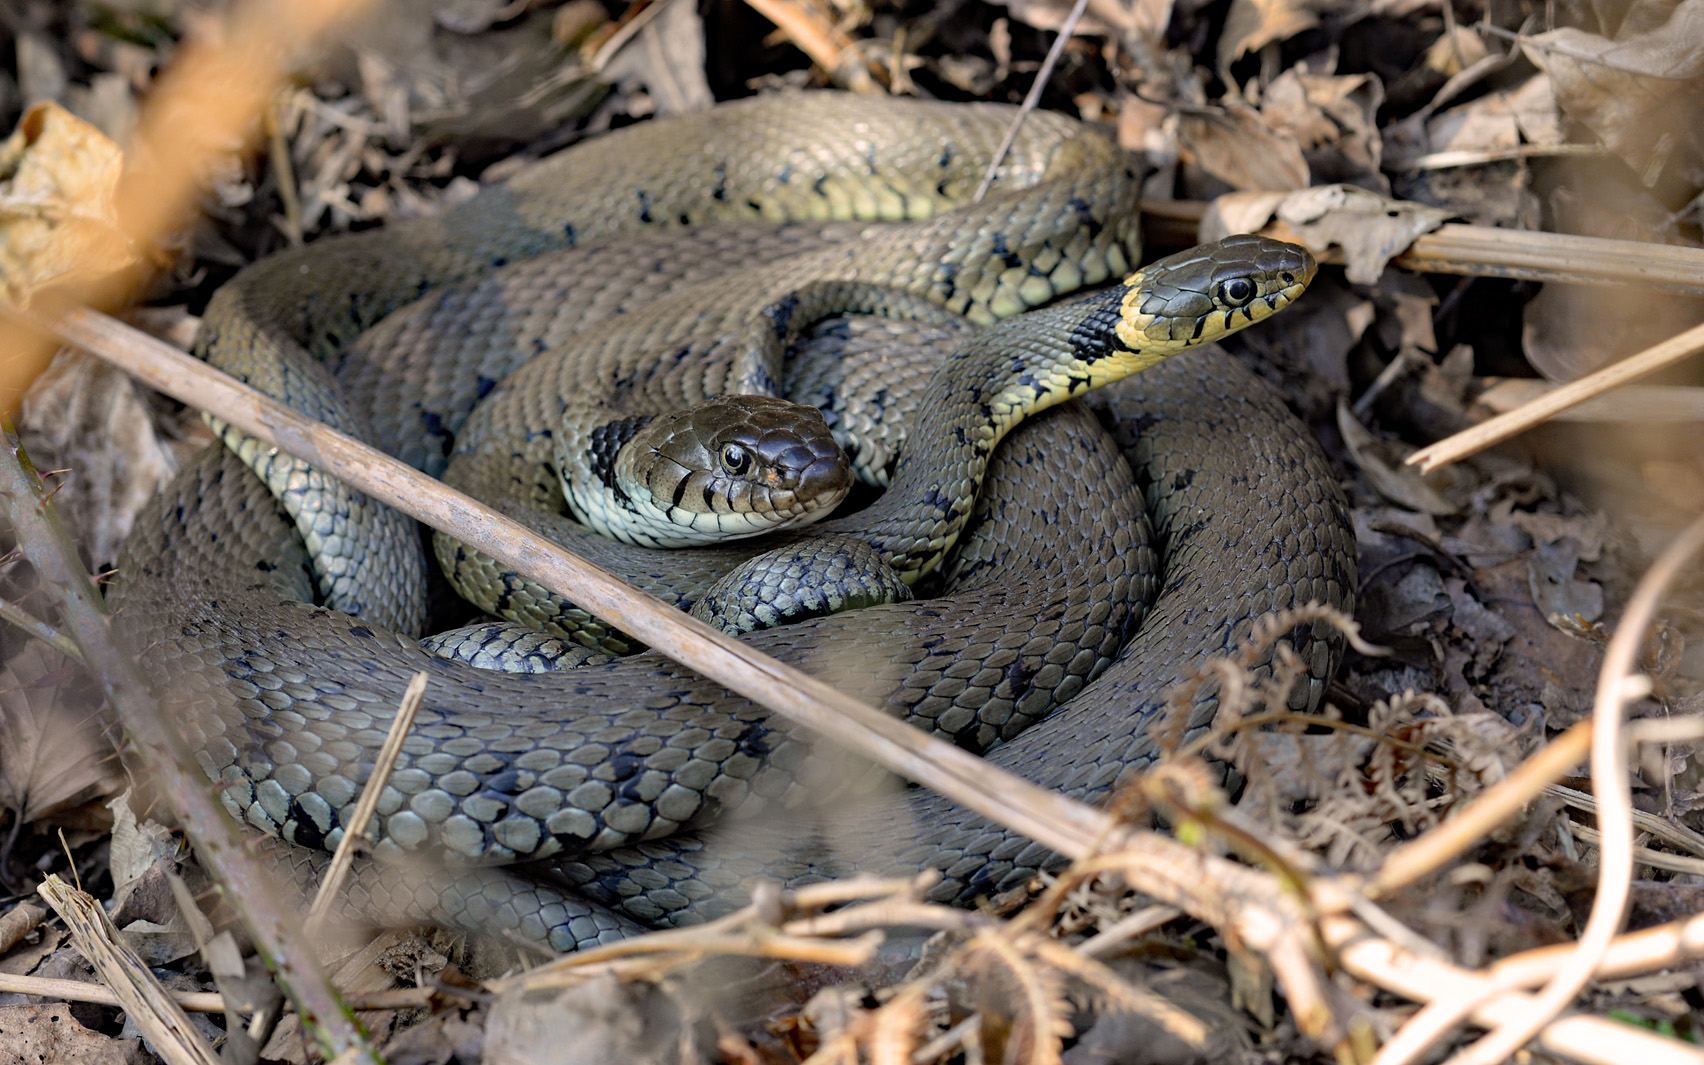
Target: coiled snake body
600, 771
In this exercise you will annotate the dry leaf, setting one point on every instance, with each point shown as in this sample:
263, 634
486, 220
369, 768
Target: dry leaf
1253, 24
84, 416
1370, 229
1103, 18
1625, 91
58, 176
1332, 119
53, 755
668, 57
49, 1035
1236, 147
1382, 463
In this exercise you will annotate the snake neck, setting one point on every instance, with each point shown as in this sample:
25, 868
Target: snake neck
992, 383
1026, 365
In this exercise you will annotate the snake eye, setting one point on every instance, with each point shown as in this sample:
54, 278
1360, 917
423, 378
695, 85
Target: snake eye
1238, 291
735, 459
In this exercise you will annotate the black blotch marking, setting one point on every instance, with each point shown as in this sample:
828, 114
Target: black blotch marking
820, 186
785, 176
570, 234
780, 313
1096, 333
644, 206
680, 491
362, 631
719, 192
946, 159
483, 385
1004, 252
498, 261
264, 566
606, 441
1085, 215
941, 502
755, 741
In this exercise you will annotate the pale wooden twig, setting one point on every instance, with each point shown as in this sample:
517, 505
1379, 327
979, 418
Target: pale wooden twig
162, 1021
1618, 684
1496, 430
55, 990
1629, 403
1676, 835
833, 52
1126, 928
1674, 863
356, 829
1032, 99
1594, 1040
1068, 827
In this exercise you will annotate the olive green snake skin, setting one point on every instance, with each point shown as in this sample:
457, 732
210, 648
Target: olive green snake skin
602, 777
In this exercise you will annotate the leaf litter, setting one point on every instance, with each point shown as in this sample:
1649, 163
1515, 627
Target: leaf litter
1358, 126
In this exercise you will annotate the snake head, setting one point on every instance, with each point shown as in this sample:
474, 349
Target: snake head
1206, 293
729, 467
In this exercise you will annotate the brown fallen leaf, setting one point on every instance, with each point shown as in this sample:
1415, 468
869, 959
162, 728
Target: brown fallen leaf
1251, 25
47, 1034
58, 177
1332, 119
1369, 228
53, 755
1626, 91
1237, 147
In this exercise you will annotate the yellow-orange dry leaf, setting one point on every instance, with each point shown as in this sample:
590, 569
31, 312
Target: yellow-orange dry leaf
58, 176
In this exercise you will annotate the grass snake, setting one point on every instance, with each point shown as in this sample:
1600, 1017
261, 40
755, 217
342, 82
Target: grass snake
602, 774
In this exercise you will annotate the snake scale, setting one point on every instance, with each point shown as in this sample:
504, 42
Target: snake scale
601, 779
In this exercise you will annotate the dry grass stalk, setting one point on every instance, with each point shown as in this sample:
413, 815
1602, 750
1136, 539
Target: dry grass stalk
1505, 426
162, 1021
367, 805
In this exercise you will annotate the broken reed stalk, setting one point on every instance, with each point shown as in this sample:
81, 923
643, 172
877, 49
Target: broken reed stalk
145, 1000
24, 500
1503, 426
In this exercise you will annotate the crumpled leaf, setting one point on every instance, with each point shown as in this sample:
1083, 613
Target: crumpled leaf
84, 416
1555, 591
1251, 25
53, 755
1370, 229
668, 57
47, 1033
1237, 147
58, 221
1623, 90
1332, 119
1103, 18
1382, 462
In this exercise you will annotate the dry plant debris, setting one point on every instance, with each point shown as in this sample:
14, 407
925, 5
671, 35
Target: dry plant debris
1359, 861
